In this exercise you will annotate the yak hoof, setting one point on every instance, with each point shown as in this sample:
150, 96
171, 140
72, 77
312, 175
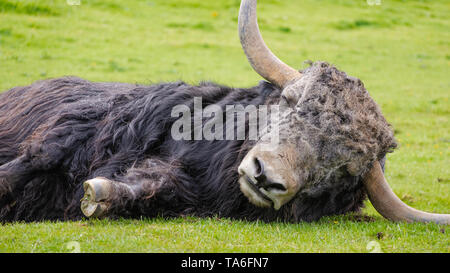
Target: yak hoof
96, 192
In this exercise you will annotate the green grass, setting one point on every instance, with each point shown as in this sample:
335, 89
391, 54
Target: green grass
400, 50
331, 234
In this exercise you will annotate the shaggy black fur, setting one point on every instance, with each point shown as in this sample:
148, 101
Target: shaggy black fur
55, 134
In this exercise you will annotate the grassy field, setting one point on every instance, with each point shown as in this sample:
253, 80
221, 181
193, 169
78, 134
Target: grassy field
399, 49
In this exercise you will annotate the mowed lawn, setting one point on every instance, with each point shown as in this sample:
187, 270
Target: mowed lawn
399, 49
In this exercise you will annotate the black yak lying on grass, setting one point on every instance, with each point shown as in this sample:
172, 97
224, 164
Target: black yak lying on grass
111, 146
65, 131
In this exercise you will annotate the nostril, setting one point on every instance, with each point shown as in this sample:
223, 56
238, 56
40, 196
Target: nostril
262, 180
259, 168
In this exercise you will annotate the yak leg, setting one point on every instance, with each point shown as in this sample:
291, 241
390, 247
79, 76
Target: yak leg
15, 174
101, 195
47, 150
11, 174
134, 191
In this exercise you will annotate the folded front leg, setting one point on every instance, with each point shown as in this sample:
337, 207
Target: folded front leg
145, 190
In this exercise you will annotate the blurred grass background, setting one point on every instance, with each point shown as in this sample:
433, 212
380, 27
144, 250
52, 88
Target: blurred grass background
399, 49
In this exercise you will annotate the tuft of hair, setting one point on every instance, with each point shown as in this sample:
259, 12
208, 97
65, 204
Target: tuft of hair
345, 122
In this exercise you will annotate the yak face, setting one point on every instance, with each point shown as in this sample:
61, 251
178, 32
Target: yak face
328, 127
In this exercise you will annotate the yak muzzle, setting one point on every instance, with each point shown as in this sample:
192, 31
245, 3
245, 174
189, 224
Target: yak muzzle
262, 182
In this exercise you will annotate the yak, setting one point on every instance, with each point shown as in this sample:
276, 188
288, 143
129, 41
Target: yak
70, 148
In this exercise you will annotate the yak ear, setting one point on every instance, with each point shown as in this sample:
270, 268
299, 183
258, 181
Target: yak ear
360, 163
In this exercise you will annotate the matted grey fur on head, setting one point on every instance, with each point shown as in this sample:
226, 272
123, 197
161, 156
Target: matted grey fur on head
343, 123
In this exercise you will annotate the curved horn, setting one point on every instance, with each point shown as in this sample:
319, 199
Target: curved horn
263, 61
390, 206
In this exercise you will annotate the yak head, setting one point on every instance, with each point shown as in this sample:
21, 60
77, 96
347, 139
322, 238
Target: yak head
328, 127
